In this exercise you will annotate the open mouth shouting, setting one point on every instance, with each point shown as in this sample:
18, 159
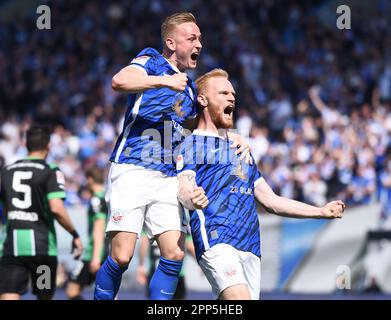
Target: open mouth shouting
194, 56
228, 111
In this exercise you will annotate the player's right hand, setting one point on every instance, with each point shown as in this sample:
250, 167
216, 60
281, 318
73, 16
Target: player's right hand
177, 81
333, 209
199, 198
77, 248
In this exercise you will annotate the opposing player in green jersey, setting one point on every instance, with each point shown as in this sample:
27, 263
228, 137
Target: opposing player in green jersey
32, 193
83, 274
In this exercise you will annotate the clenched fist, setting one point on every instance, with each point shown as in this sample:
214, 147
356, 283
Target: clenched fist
333, 209
177, 81
199, 198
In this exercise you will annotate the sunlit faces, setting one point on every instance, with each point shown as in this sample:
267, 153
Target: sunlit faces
185, 40
220, 97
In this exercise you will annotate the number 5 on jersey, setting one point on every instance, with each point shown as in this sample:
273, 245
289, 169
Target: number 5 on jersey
18, 186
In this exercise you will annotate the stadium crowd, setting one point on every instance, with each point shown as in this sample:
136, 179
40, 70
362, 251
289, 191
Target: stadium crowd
314, 101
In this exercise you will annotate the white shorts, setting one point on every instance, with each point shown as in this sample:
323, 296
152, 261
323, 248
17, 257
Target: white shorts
225, 266
137, 196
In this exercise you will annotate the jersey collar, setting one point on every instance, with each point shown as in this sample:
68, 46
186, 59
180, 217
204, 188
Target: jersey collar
222, 133
171, 65
99, 193
32, 158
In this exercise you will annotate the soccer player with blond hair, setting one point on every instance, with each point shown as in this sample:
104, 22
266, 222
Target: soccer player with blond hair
220, 191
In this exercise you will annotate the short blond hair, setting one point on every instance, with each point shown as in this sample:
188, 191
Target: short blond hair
174, 20
202, 81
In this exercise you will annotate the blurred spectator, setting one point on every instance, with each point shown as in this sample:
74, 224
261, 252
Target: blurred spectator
258, 142
385, 193
361, 187
315, 190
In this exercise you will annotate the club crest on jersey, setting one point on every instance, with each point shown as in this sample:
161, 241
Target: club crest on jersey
240, 172
177, 107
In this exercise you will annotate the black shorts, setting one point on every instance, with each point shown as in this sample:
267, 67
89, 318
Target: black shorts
15, 273
81, 274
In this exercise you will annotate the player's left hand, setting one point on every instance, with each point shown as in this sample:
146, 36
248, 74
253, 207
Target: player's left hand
243, 148
94, 265
333, 209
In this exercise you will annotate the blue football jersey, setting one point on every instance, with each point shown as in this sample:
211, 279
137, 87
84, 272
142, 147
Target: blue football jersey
153, 126
230, 216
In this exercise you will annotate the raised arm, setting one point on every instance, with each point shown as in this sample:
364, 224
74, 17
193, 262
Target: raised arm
191, 196
133, 79
313, 93
295, 209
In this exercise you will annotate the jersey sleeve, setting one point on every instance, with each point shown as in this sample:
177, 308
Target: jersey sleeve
55, 184
98, 208
193, 111
146, 63
257, 175
258, 179
185, 161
